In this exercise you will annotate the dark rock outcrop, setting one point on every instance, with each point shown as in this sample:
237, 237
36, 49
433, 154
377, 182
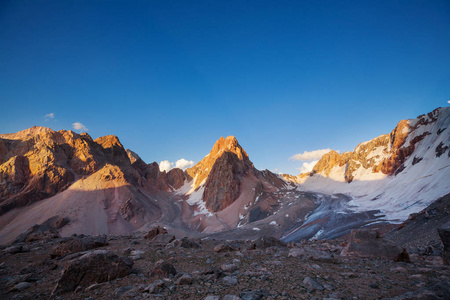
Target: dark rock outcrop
369, 243
79, 244
94, 267
163, 269
444, 234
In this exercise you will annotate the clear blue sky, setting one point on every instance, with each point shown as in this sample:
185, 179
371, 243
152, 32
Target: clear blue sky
170, 77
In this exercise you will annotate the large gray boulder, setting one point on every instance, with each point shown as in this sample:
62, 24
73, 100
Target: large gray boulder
369, 243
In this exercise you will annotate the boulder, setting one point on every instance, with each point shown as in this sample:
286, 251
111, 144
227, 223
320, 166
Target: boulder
310, 253
266, 242
93, 267
369, 243
78, 244
163, 269
226, 247
444, 234
184, 243
163, 238
154, 232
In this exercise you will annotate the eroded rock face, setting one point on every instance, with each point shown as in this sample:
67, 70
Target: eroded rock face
94, 267
369, 243
175, 178
38, 163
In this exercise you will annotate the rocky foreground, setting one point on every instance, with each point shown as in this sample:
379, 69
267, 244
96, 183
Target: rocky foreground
158, 266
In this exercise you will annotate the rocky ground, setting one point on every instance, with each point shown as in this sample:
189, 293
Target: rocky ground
134, 267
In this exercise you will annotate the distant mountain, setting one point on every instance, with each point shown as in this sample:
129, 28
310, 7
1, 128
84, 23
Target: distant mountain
398, 173
103, 188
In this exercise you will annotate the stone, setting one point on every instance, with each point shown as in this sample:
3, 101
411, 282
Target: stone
229, 267
211, 297
369, 243
226, 247
78, 244
185, 279
254, 295
310, 253
96, 266
153, 232
21, 286
230, 280
231, 297
266, 242
163, 269
163, 238
155, 287
312, 284
184, 243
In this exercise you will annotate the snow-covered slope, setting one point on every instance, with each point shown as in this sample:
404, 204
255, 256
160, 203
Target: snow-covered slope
398, 174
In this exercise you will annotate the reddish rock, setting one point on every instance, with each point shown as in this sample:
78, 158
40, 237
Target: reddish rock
154, 232
176, 178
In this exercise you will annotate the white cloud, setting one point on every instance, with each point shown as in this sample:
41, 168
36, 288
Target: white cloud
49, 116
184, 164
310, 155
80, 127
307, 166
165, 165
448, 102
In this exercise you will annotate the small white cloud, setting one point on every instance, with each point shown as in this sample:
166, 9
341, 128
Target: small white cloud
80, 127
310, 155
448, 101
49, 116
307, 166
184, 164
165, 165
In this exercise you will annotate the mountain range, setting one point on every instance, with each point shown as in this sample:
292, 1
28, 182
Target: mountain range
103, 188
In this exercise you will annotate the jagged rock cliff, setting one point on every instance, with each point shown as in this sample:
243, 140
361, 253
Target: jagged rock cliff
385, 154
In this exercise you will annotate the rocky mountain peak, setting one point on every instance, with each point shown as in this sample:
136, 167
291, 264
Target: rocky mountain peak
27, 133
230, 145
108, 141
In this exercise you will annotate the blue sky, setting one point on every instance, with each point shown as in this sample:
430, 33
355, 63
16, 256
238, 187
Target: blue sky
170, 77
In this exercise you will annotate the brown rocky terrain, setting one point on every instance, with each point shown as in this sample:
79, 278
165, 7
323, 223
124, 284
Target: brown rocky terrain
131, 267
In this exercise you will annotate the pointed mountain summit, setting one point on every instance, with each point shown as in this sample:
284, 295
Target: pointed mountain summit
220, 172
